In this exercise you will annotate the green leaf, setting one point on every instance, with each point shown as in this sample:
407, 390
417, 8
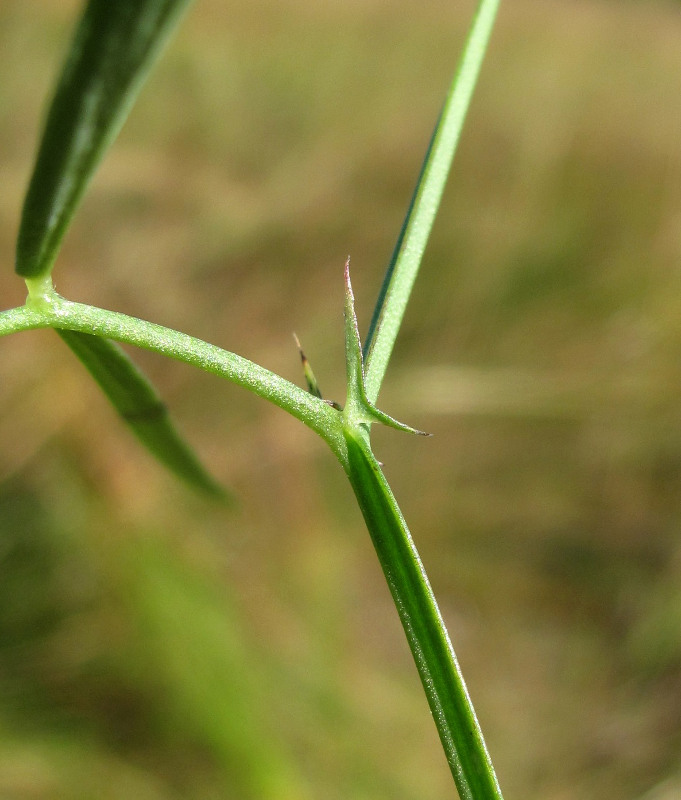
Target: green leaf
310, 379
359, 410
411, 243
436, 662
114, 47
141, 408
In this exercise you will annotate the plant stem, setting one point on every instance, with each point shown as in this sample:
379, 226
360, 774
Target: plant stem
55, 312
426, 633
411, 243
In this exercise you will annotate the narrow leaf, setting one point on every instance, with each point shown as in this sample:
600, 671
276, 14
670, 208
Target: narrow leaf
406, 259
112, 51
435, 660
310, 379
354, 366
359, 410
141, 408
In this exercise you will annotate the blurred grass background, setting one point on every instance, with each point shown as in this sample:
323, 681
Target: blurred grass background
154, 646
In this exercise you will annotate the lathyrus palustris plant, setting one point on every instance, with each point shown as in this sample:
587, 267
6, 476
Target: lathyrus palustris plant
113, 49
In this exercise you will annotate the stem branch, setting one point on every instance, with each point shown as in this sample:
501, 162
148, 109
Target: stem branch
55, 312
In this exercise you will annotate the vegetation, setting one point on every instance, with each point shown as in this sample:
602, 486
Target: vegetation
200, 640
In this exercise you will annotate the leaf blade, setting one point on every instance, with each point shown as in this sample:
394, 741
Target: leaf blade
411, 243
113, 49
140, 407
359, 411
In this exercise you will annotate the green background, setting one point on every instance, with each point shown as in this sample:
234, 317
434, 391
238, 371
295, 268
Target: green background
153, 645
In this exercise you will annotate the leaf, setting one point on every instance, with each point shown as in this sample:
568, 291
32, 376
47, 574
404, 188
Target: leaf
113, 49
310, 379
359, 410
141, 408
411, 243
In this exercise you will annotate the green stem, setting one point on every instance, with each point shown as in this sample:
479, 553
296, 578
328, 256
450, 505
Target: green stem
436, 662
55, 312
406, 259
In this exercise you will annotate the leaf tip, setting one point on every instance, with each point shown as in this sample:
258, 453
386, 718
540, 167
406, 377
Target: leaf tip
310, 379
